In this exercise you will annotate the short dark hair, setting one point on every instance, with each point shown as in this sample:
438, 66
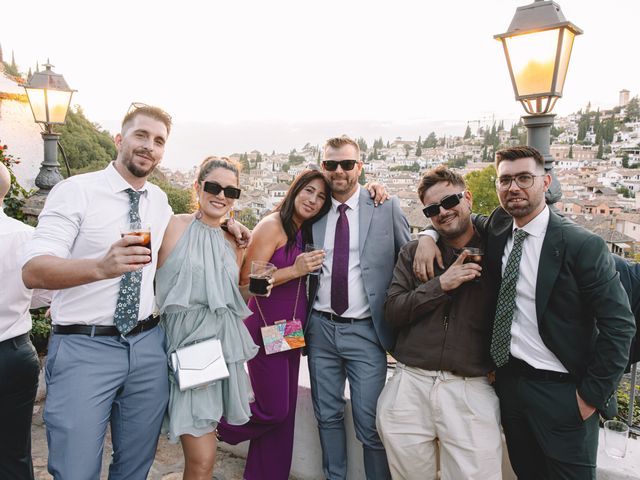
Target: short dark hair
150, 111
286, 208
439, 174
515, 153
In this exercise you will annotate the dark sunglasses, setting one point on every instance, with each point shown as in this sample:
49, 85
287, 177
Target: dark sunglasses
447, 203
215, 188
332, 165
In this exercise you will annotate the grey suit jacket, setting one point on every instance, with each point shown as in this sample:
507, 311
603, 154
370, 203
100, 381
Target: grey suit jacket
383, 231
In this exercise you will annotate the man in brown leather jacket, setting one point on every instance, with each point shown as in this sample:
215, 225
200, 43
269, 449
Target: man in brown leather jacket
440, 388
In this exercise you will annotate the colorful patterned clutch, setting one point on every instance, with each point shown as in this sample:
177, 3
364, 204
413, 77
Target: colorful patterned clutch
282, 336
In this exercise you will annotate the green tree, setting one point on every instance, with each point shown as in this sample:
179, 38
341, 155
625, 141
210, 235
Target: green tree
16, 196
244, 162
481, 183
570, 152
467, 132
418, 150
625, 160
407, 150
600, 150
181, 200
247, 218
583, 126
362, 144
87, 146
431, 141
609, 130
457, 162
632, 110
362, 179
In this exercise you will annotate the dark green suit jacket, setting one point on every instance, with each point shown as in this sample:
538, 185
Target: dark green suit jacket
583, 312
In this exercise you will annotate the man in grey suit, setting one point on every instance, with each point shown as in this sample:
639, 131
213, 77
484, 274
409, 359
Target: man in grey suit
347, 336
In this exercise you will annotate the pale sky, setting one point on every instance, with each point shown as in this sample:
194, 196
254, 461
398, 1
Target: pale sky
388, 62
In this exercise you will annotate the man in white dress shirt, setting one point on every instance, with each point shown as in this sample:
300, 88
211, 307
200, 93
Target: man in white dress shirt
106, 362
19, 366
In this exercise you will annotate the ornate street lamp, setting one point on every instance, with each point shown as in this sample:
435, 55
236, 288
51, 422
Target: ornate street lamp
538, 47
49, 97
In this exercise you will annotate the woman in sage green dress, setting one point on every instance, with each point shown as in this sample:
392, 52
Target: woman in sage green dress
199, 298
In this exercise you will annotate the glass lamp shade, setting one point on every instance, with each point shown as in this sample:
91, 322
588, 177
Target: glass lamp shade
49, 97
538, 48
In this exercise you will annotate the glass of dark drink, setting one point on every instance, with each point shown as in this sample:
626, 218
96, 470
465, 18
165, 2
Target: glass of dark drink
136, 230
260, 276
474, 255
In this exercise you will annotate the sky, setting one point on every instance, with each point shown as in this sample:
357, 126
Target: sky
244, 74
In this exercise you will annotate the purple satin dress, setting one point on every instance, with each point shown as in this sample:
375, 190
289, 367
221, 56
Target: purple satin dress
274, 379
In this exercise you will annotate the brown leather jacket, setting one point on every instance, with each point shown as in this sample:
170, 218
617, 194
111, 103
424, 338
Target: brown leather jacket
438, 330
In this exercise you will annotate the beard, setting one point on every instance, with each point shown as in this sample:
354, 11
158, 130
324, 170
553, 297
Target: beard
136, 170
455, 229
521, 209
342, 188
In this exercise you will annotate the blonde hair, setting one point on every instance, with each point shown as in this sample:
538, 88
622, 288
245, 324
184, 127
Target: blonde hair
339, 142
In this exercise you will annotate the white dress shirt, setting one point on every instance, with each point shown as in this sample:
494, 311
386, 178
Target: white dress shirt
15, 298
526, 343
358, 304
81, 219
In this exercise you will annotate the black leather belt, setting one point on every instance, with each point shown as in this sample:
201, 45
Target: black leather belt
103, 331
338, 319
520, 367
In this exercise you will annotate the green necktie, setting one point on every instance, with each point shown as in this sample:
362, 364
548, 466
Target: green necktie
501, 338
126, 314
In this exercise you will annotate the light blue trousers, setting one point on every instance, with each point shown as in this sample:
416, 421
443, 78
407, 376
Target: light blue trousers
337, 352
94, 381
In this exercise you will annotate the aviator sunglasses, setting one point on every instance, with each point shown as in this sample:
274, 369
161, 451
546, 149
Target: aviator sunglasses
215, 188
332, 165
447, 203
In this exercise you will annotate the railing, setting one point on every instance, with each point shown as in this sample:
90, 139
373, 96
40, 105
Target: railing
633, 381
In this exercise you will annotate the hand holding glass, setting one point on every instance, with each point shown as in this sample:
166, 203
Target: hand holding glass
141, 231
310, 247
260, 277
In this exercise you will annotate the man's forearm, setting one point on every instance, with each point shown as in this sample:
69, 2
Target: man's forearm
53, 273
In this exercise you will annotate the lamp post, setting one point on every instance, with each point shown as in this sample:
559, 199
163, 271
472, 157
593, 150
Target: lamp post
49, 97
538, 47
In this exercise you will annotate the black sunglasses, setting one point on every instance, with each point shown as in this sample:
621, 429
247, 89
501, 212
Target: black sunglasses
447, 203
215, 188
332, 165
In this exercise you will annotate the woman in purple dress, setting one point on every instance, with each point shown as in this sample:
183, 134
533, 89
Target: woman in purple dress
279, 238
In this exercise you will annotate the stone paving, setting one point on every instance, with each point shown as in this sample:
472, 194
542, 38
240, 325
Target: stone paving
168, 464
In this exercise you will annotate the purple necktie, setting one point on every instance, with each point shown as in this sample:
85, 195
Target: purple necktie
340, 266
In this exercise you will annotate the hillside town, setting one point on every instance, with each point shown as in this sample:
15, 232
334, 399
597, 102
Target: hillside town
597, 155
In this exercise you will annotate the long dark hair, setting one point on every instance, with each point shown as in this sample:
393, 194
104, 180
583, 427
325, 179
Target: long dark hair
287, 206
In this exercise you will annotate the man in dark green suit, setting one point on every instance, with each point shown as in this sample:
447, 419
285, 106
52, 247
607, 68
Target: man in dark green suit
563, 326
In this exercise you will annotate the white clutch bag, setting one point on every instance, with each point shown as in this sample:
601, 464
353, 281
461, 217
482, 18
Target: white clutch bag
199, 364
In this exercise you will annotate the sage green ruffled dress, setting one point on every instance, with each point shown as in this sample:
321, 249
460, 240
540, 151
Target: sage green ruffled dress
197, 293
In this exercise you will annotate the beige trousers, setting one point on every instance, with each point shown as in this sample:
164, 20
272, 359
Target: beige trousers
418, 407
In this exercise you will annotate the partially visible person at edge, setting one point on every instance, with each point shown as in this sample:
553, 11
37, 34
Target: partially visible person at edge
199, 298
19, 366
562, 327
347, 336
106, 361
440, 389
279, 238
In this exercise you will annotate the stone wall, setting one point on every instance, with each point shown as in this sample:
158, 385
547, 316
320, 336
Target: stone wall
19, 132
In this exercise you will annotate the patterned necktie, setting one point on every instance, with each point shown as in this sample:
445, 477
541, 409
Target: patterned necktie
340, 266
126, 314
501, 338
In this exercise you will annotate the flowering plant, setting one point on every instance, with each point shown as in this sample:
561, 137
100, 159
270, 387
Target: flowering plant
14, 200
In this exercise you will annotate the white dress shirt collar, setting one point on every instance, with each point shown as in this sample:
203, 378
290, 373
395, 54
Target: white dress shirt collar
352, 201
117, 181
538, 226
